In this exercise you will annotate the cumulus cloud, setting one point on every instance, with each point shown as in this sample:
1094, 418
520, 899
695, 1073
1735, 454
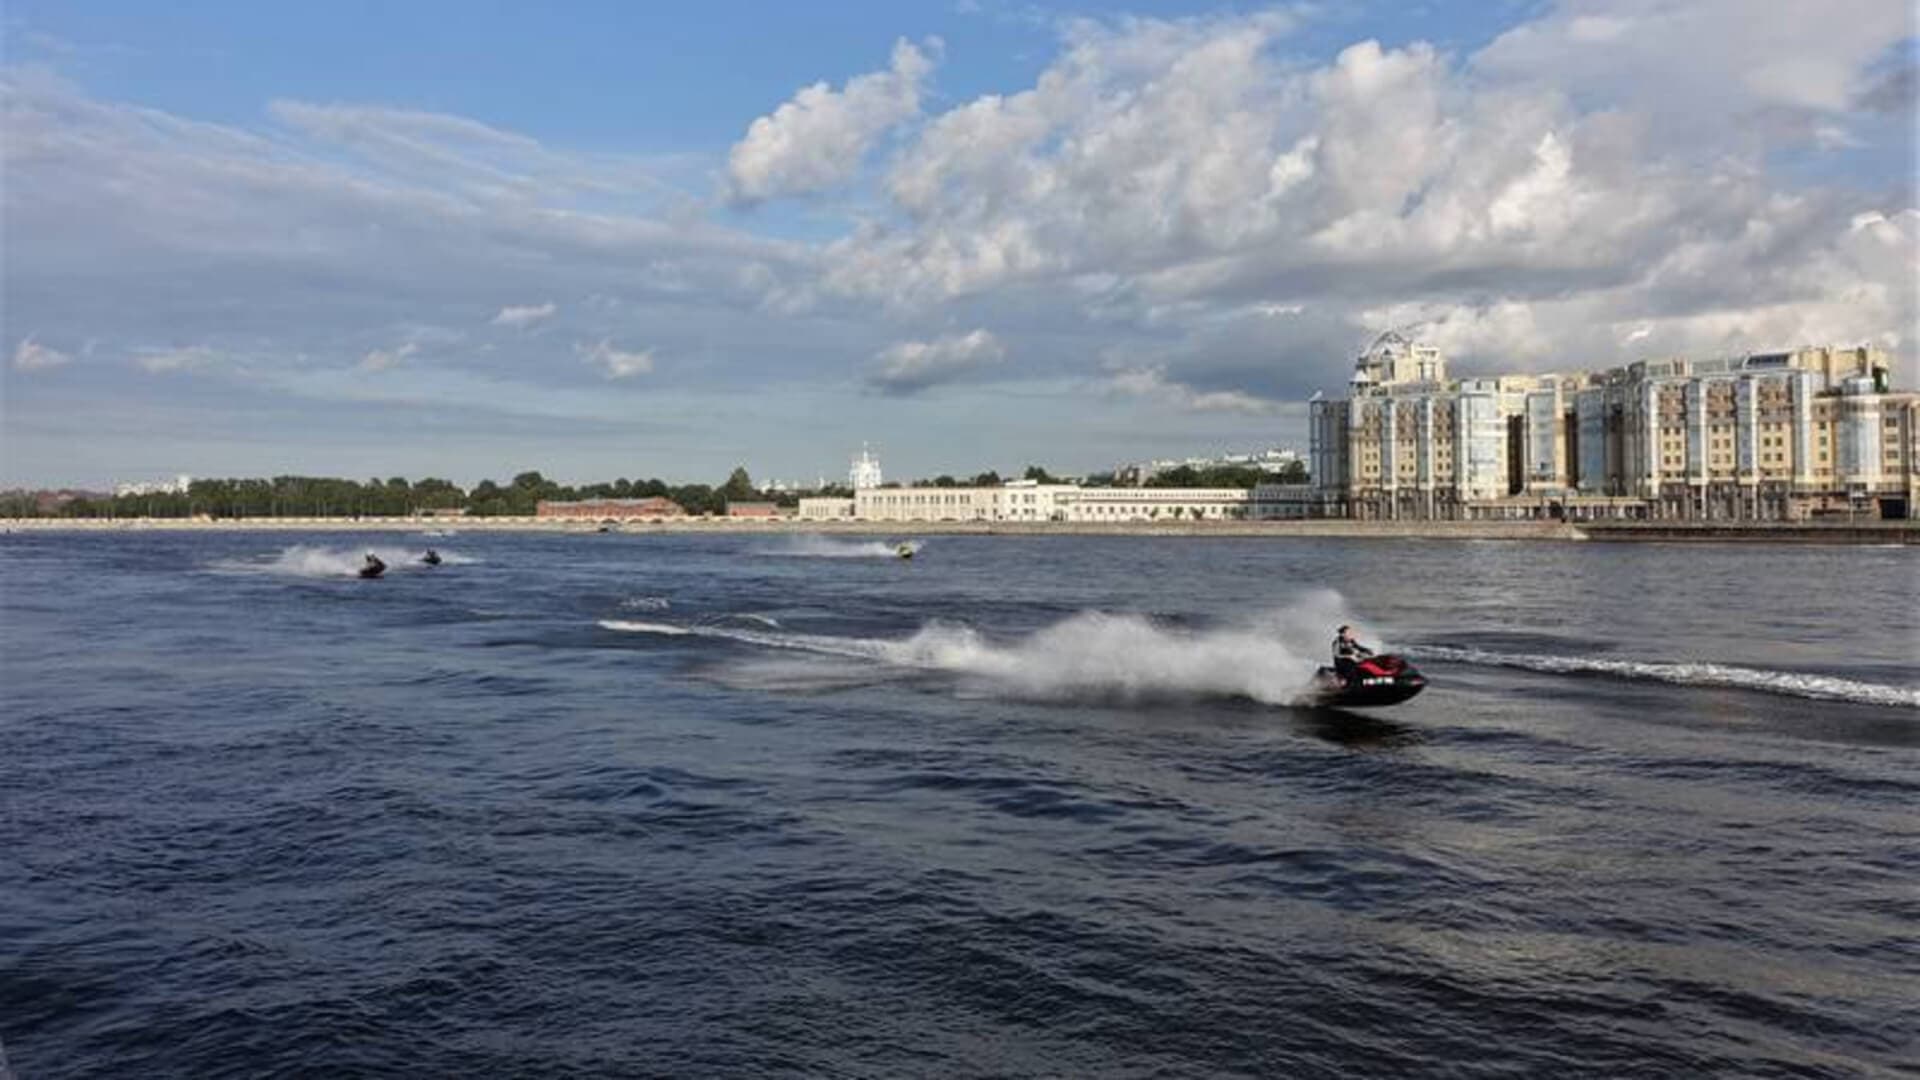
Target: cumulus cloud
909, 366
171, 361
819, 139
1190, 167
385, 359
30, 355
521, 317
615, 362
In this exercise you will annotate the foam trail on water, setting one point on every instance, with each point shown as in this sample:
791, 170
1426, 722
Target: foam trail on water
306, 561
632, 627
1092, 654
813, 546
1787, 683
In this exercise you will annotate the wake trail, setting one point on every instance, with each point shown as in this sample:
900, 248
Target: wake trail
1688, 673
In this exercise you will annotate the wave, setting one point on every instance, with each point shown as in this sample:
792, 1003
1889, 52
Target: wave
1270, 658
1689, 673
814, 546
305, 561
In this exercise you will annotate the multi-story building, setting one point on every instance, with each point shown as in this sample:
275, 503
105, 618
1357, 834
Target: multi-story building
1772, 436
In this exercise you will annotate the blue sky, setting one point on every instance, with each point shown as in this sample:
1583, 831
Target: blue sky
632, 240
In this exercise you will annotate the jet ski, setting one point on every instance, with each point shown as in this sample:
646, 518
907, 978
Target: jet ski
373, 567
905, 551
1377, 680
431, 558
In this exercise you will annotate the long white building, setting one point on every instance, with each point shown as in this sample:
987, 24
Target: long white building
1026, 500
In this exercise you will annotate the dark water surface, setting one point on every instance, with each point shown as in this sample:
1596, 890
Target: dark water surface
627, 805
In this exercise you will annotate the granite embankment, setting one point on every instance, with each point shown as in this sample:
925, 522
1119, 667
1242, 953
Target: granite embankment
1868, 532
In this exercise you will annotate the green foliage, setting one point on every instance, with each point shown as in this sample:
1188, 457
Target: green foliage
989, 478
1218, 476
1039, 475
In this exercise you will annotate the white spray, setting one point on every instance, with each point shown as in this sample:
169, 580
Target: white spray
812, 546
301, 560
1268, 657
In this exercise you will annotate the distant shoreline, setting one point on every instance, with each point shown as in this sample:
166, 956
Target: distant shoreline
1866, 532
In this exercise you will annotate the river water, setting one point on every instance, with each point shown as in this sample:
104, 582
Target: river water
1038, 806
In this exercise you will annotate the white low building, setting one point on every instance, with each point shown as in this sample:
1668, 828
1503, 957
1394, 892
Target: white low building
1026, 500
1018, 500
825, 508
1155, 504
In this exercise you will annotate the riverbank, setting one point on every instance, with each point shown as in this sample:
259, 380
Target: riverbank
1871, 532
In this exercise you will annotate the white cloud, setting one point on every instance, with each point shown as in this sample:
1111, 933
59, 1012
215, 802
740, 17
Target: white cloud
907, 366
520, 317
1153, 384
617, 363
1700, 68
30, 355
1161, 173
819, 139
169, 361
386, 359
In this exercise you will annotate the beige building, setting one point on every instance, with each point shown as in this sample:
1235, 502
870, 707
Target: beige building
1769, 436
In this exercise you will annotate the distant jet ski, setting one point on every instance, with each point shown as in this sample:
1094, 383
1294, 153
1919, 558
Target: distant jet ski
431, 558
1377, 680
905, 551
373, 567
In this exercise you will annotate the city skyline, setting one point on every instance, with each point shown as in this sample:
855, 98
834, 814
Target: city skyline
245, 242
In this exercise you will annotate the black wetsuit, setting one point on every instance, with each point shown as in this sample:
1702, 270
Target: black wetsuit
1347, 654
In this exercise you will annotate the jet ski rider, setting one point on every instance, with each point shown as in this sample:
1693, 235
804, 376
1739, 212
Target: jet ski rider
1347, 654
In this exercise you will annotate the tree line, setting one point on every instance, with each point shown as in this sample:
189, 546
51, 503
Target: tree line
310, 496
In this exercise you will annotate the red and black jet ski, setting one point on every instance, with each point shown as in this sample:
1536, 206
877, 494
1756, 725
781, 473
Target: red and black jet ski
1377, 680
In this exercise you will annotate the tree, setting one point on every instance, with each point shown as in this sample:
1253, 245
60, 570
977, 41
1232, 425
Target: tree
989, 478
1295, 473
739, 487
1180, 476
1039, 475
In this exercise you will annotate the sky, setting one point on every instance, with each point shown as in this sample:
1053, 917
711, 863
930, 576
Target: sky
601, 240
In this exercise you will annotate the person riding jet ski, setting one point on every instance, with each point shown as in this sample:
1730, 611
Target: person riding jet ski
431, 558
1347, 654
373, 567
1360, 678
